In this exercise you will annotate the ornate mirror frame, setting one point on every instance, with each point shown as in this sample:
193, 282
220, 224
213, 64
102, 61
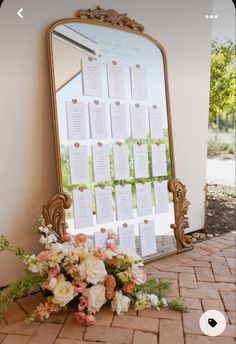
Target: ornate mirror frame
54, 210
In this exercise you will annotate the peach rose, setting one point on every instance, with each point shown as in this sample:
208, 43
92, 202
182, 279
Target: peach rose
80, 238
110, 284
42, 256
129, 288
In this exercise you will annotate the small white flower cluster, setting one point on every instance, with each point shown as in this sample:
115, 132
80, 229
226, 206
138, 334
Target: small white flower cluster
145, 300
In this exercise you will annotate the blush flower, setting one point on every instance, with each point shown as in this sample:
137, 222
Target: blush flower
90, 319
42, 256
138, 275
83, 303
80, 238
110, 284
80, 317
129, 288
54, 271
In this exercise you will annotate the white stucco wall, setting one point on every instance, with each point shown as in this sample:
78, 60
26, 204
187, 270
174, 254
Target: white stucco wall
27, 165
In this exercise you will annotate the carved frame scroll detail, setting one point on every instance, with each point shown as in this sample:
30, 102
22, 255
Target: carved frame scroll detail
109, 16
181, 204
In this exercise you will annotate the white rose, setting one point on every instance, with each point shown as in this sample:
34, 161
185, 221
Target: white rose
154, 300
138, 275
120, 303
96, 297
94, 270
63, 293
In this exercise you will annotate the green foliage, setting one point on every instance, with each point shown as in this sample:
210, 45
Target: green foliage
177, 305
17, 289
153, 287
222, 83
220, 143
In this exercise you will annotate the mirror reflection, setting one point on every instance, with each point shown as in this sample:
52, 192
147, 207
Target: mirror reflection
113, 136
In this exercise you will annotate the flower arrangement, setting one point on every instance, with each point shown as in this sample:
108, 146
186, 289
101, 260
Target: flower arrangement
74, 274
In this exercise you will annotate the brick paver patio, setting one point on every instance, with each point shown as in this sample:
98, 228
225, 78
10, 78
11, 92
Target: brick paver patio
203, 277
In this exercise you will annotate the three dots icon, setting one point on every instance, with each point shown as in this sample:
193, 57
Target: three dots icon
211, 16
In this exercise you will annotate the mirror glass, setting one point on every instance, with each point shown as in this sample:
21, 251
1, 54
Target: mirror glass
111, 114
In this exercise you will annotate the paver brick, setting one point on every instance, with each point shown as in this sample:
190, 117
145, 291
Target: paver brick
164, 313
218, 267
182, 268
45, 333
72, 329
232, 317
109, 334
167, 327
192, 303
104, 316
191, 322
136, 323
2, 337
199, 293
20, 328
204, 274
229, 300
165, 275
144, 337
221, 286
14, 314
199, 263
187, 280
200, 339
16, 339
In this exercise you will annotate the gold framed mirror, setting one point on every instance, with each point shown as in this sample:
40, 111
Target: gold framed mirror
113, 136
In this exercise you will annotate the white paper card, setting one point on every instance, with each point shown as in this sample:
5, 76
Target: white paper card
83, 214
156, 123
127, 238
124, 206
140, 153
76, 121
116, 80
98, 120
103, 199
144, 199
119, 120
79, 165
159, 166
92, 79
138, 121
100, 239
121, 161
147, 238
161, 197
139, 82
101, 162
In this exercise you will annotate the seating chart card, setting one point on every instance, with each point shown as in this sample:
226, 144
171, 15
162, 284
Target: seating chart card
127, 238
82, 202
116, 80
147, 238
92, 79
124, 204
76, 121
140, 152
156, 123
103, 200
144, 199
139, 82
100, 238
138, 121
159, 165
161, 197
79, 164
119, 120
121, 161
101, 162
98, 120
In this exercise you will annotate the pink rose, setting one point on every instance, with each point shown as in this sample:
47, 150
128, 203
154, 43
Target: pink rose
80, 317
138, 275
79, 287
83, 303
110, 284
129, 288
42, 256
90, 319
80, 238
54, 271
